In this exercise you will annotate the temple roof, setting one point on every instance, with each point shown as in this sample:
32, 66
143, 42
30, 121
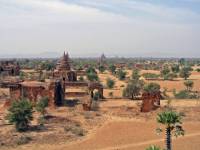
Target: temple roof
64, 63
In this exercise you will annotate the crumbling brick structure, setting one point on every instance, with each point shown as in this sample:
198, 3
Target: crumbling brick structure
34, 91
10, 68
95, 85
150, 101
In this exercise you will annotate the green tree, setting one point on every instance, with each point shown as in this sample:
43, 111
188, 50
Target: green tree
165, 71
185, 73
175, 68
121, 74
189, 85
81, 78
172, 121
20, 114
112, 69
133, 88
182, 61
152, 87
41, 108
135, 74
110, 83
170, 76
90, 70
92, 76
102, 68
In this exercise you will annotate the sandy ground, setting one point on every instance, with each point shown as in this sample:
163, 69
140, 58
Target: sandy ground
121, 132
120, 125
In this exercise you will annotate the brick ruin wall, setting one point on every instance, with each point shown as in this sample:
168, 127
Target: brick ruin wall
150, 101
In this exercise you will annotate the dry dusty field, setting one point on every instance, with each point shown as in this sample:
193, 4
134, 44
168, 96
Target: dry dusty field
117, 124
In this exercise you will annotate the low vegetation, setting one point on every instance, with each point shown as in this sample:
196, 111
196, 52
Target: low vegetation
20, 114
110, 83
152, 88
150, 76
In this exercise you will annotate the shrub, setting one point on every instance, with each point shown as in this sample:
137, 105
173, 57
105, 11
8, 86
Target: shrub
90, 70
121, 74
198, 69
75, 129
175, 68
152, 147
102, 68
136, 74
23, 140
112, 69
170, 76
133, 89
184, 94
189, 84
92, 76
185, 72
96, 96
110, 83
152, 87
81, 78
41, 108
20, 114
150, 76
165, 71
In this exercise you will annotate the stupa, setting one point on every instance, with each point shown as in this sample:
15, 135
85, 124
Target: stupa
64, 63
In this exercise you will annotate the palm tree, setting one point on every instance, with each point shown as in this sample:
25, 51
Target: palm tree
172, 121
152, 147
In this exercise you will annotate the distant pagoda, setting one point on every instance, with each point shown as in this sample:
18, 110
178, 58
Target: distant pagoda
102, 59
64, 63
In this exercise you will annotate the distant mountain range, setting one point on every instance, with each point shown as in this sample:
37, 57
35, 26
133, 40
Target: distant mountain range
50, 54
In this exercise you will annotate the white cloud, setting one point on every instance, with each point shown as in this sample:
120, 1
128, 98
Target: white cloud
42, 25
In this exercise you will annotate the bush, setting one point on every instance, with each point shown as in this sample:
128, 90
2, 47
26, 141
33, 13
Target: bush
110, 83
165, 71
121, 74
40, 107
198, 69
175, 68
112, 69
150, 76
133, 89
92, 76
20, 114
189, 84
81, 78
152, 87
184, 94
152, 147
185, 72
91, 70
96, 96
136, 74
23, 140
77, 130
170, 76
102, 68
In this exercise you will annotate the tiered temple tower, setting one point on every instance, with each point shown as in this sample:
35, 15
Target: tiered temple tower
64, 63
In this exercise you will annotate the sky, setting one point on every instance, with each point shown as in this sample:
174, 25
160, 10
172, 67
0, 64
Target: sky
88, 28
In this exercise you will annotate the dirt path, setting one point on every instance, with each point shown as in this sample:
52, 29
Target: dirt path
146, 143
125, 135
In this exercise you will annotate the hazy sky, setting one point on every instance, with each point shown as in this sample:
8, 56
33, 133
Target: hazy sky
165, 28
